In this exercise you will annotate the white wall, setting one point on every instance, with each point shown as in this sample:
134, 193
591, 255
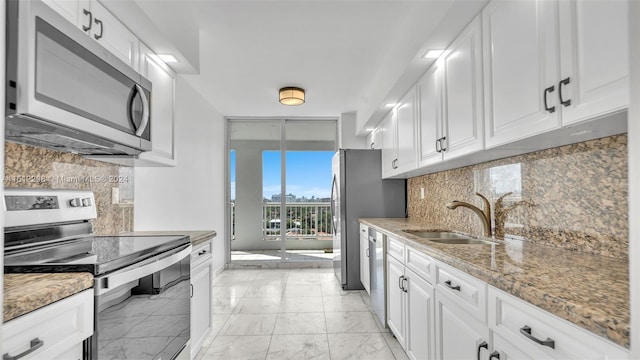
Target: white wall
634, 177
347, 138
189, 196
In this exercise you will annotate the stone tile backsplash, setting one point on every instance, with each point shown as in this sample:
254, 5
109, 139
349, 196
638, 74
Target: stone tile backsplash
574, 197
32, 167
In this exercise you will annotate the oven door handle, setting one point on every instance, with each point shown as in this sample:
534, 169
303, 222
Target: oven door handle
148, 267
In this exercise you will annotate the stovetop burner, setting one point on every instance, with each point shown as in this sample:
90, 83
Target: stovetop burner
96, 254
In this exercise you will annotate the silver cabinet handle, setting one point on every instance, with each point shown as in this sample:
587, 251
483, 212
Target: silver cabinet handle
400, 282
451, 286
99, 22
368, 252
526, 331
145, 111
35, 345
87, 12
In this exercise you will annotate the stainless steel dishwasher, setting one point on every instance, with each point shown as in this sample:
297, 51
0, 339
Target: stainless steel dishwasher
378, 268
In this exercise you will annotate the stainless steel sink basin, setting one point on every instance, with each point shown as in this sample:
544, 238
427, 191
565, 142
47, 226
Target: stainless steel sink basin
463, 241
435, 234
447, 237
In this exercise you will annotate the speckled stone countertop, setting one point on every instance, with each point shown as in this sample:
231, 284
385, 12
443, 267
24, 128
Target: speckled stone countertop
197, 237
590, 291
24, 293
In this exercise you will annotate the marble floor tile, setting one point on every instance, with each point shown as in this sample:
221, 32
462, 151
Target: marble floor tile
301, 304
331, 288
217, 322
300, 323
351, 322
298, 347
302, 290
348, 302
249, 324
258, 306
233, 291
359, 346
223, 305
395, 347
238, 348
265, 291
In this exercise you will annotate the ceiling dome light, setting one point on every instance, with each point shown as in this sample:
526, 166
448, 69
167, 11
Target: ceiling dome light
291, 96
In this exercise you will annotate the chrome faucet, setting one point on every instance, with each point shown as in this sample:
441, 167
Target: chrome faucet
485, 215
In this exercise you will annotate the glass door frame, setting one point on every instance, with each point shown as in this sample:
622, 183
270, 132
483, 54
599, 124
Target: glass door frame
283, 172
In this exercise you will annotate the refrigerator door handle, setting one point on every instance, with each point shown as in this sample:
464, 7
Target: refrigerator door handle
333, 205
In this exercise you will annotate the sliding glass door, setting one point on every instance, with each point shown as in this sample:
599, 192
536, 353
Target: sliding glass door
280, 181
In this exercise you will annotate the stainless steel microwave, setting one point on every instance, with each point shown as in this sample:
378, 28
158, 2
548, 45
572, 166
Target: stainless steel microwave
66, 92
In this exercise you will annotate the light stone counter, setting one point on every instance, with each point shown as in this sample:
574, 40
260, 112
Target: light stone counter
197, 237
24, 293
590, 291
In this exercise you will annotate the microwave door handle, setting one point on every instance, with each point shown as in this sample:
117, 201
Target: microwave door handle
145, 111
110, 282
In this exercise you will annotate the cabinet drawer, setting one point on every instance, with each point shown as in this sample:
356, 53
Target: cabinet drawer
467, 291
60, 327
420, 263
200, 253
364, 231
514, 318
395, 248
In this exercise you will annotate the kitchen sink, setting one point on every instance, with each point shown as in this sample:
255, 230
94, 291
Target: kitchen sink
447, 237
463, 241
435, 234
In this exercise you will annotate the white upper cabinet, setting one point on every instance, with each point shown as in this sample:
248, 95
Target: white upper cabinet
162, 110
520, 69
399, 137
374, 139
388, 134
101, 25
594, 49
464, 126
429, 89
552, 63
450, 115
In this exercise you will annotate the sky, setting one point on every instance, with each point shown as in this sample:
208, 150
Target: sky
308, 173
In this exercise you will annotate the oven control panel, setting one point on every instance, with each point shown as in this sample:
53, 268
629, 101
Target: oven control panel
41, 206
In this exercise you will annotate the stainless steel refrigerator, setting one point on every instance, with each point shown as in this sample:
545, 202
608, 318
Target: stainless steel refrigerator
358, 191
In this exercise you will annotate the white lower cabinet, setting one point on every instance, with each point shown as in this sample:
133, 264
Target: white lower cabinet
538, 334
410, 301
201, 279
55, 331
460, 333
439, 312
365, 273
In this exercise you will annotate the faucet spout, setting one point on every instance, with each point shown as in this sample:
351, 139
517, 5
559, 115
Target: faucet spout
484, 214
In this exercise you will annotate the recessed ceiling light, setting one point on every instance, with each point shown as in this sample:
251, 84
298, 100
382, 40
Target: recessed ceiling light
168, 58
433, 54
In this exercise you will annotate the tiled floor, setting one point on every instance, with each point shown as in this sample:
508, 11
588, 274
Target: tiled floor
293, 314
274, 255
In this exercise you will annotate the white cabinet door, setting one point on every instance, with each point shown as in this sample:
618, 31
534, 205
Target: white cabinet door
459, 335
162, 110
365, 278
420, 319
520, 69
113, 35
396, 299
464, 131
429, 92
201, 279
72, 10
595, 58
388, 129
509, 351
405, 133
374, 139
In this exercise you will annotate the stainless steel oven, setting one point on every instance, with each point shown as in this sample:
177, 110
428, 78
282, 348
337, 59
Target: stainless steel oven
141, 283
65, 91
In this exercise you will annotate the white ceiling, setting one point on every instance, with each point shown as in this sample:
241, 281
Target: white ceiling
347, 55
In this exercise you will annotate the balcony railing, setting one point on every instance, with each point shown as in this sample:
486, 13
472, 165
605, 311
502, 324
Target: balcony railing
302, 221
